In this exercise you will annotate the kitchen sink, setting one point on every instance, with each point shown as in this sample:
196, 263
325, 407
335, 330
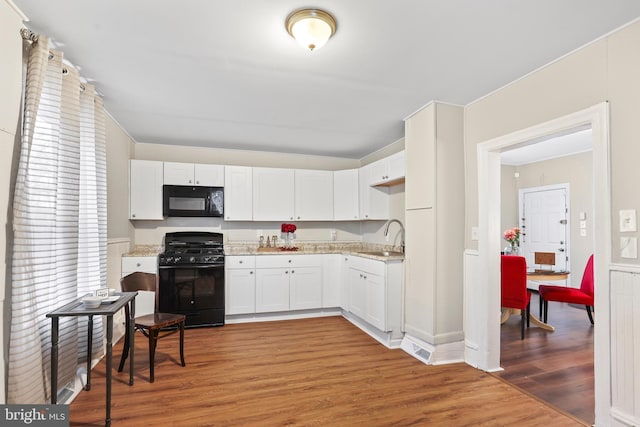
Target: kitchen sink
383, 253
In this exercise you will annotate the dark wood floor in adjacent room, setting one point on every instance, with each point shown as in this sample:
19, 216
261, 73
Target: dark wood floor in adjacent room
323, 372
557, 366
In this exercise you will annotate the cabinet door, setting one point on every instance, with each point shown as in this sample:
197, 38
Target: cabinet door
420, 148
396, 166
376, 308
273, 194
374, 201
272, 289
306, 288
357, 293
208, 175
345, 282
346, 202
240, 291
313, 195
378, 171
145, 189
238, 193
178, 173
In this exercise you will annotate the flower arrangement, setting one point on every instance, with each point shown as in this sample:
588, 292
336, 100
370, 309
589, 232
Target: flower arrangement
288, 234
512, 236
288, 228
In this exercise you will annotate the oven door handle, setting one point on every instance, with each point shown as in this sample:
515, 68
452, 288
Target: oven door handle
190, 266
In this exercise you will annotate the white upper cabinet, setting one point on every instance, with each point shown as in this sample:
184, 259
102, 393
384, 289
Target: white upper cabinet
145, 189
208, 175
388, 171
238, 193
313, 195
193, 174
374, 201
346, 202
273, 194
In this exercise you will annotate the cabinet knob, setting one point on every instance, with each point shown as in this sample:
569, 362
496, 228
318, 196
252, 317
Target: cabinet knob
298, 217
138, 265
293, 271
289, 261
360, 275
365, 277
133, 215
189, 181
240, 261
251, 272
197, 182
286, 272
290, 217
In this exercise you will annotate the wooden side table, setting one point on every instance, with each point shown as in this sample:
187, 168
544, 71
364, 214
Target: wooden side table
76, 308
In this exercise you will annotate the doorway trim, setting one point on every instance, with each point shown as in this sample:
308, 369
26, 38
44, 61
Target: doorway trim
487, 310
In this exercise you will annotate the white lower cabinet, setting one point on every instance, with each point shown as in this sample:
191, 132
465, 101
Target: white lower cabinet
274, 283
240, 285
146, 264
272, 290
374, 290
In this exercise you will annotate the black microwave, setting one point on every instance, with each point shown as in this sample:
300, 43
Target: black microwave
186, 200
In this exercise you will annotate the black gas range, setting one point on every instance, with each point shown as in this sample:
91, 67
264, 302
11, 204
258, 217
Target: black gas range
191, 277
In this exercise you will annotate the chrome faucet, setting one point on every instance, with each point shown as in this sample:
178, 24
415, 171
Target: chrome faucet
386, 231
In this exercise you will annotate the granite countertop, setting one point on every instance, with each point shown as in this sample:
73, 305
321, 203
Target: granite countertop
366, 250
145, 250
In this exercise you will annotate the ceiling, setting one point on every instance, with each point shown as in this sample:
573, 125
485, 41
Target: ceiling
566, 144
226, 73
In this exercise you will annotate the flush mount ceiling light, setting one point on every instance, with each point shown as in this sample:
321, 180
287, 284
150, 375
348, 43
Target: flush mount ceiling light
311, 28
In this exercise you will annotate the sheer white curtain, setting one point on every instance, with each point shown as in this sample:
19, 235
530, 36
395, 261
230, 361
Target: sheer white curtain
59, 250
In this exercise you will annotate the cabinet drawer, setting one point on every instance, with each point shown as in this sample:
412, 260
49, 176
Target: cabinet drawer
369, 265
240, 261
288, 260
147, 264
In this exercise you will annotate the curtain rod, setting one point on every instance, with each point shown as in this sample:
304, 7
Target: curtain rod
29, 35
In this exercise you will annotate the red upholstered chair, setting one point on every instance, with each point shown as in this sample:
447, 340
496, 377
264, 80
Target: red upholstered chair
513, 285
582, 296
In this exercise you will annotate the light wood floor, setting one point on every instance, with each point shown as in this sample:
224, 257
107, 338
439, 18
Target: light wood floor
557, 366
311, 372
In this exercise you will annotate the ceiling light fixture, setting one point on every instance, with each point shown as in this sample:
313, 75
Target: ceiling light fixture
311, 28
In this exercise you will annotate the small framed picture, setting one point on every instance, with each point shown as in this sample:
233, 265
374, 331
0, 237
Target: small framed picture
102, 292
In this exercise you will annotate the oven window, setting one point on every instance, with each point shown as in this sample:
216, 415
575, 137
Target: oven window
187, 204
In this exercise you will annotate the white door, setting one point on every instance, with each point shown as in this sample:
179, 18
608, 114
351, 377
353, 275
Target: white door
544, 223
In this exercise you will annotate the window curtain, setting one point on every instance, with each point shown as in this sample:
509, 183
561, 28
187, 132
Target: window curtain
59, 223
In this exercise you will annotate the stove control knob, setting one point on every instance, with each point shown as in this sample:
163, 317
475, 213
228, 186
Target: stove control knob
192, 259
177, 259
169, 259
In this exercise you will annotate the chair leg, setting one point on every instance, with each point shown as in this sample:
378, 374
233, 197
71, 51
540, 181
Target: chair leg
589, 313
540, 304
523, 314
182, 343
125, 351
546, 311
153, 340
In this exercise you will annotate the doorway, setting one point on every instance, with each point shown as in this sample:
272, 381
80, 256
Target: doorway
487, 267
545, 221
